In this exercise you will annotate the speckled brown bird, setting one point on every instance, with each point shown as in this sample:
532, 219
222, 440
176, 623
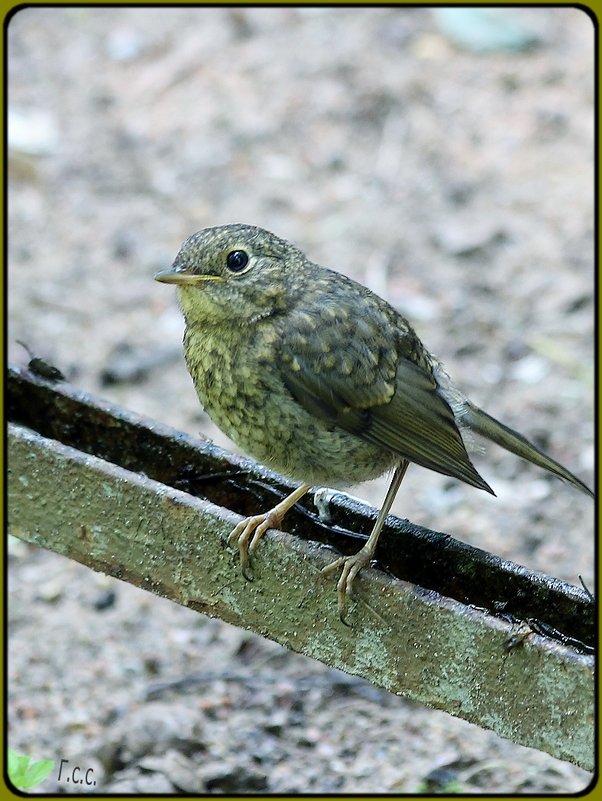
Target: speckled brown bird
320, 379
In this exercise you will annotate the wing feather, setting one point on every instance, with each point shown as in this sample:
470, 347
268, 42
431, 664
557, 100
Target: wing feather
417, 423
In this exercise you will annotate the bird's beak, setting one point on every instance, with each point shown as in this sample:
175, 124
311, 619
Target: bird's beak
183, 278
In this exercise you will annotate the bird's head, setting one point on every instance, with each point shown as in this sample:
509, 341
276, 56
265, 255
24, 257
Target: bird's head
235, 274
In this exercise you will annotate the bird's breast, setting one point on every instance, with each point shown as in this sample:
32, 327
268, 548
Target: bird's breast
240, 384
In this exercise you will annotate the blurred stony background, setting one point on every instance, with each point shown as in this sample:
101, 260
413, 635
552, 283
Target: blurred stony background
448, 168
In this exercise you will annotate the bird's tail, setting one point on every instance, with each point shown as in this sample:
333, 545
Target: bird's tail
482, 423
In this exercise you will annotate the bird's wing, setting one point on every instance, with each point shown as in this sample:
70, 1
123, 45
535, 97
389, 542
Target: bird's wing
375, 392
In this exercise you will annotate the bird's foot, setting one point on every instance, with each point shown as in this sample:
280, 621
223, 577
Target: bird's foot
351, 567
248, 532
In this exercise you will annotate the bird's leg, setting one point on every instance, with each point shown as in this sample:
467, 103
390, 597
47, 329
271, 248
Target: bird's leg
353, 564
249, 531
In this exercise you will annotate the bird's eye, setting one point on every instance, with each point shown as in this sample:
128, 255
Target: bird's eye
237, 260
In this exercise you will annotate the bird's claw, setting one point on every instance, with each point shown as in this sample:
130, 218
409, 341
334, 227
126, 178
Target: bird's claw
351, 567
246, 535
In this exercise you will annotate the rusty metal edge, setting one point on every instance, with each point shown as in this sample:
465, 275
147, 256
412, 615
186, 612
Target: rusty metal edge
405, 639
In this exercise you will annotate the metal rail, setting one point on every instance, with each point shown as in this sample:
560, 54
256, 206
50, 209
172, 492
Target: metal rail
448, 625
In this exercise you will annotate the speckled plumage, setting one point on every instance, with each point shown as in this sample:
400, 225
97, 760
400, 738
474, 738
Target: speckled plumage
319, 378
313, 374
303, 367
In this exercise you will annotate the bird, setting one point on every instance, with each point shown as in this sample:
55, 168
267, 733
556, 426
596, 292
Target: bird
320, 379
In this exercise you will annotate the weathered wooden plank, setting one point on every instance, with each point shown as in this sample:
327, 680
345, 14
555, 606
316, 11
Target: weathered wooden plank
412, 641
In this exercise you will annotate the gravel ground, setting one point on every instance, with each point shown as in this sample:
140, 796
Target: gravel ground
456, 183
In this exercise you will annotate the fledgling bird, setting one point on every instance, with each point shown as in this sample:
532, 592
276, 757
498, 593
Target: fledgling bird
320, 379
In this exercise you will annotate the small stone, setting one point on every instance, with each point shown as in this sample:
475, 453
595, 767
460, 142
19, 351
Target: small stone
32, 132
